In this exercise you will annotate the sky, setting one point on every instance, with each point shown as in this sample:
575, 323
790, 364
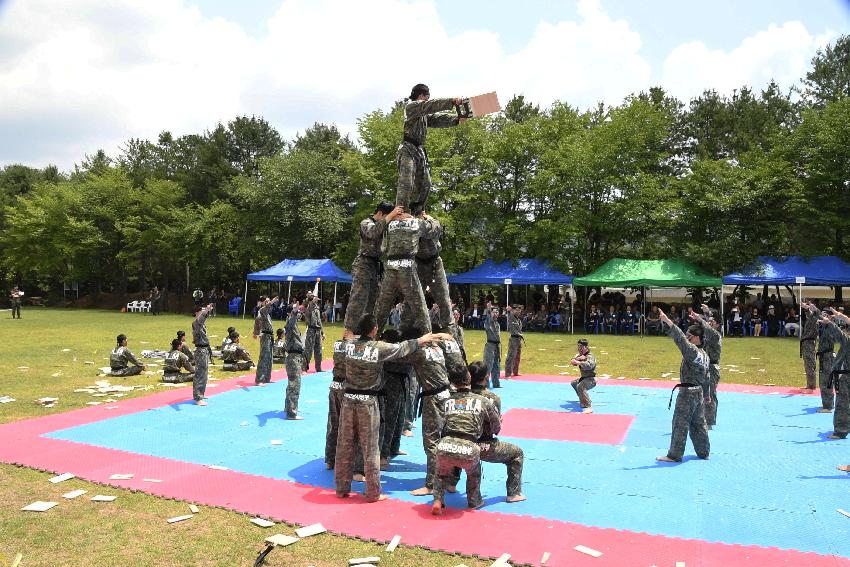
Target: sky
80, 75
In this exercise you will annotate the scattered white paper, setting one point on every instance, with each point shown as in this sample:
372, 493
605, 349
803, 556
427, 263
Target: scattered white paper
39, 506
119, 476
194, 509
179, 518
66, 350
56, 375
281, 540
546, 556
62, 477
93, 403
88, 362
218, 468
588, 551
754, 358
262, 523
151, 480
842, 512
6, 399
311, 530
277, 442
74, 494
680, 564
102, 498
244, 424
393, 543
502, 560
23, 367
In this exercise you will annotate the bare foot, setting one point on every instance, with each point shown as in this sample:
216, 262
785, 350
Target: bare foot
436, 508
845, 468
475, 506
407, 433
424, 491
200, 403
806, 391
587, 410
295, 418
339, 495
358, 477
665, 459
517, 498
834, 436
385, 464
329, 466
382, 497
400, 452
824, 410
451, 489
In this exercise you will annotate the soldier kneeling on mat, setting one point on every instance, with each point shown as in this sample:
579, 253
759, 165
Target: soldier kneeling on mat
465, 416
175, 361
121, 357
234, 355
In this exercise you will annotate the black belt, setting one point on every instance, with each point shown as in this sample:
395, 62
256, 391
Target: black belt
494, 342
410, 140
334, 379
267, 333
365, 392
459, 435
428, 259
682, 385
424, 393
517, 337
402, 257
296, 351
376, 258
312, 327
804, 340
202, 345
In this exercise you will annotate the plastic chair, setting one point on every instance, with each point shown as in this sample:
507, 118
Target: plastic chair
132, 306
233, 306
145, 306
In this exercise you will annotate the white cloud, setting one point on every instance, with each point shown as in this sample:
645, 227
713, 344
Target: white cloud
79, 75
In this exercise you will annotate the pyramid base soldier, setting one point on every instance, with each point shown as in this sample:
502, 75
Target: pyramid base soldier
335, 395
392, 402
294, 364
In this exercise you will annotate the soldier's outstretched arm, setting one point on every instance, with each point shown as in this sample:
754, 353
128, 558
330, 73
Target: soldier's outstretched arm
392, 351
589, 362
443, 121
419, 108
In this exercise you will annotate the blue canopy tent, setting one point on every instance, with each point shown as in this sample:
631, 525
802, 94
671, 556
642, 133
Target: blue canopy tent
307, 270
526, 271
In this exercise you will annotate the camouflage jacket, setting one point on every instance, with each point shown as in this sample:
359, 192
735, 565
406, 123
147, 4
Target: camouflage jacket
176, 360
430, 246
712, 341
184, 348
402, 238
294, 343
419, 115
364, 358
430, 366
514, 324
121, 357
313, 315
828, 338
339, 359
488, 435
457, 333
587, 367
467, 413
694, 368
263, 321
491, 327
234, 352
810, 328
452, 353
371, 237
199, 328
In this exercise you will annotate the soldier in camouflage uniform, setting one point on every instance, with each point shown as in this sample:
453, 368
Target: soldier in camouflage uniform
360, 418
366, 268
826, 346
16, 297
174, 362
840, 368
120, 359
184, 348
294, 362
400, 276
808, 339
414, 175
226, 340
514, 316
586, 362
235, 356
466, 414
335, 392
689, 415
493, 348
395, 374
265, 330
713, 345
493, 449
315, 333
279, 350
457, 330
202, 353
429, 266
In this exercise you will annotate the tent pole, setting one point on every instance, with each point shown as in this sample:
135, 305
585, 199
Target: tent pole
643, 315
289, 292
333, 307
722, 314
245, 300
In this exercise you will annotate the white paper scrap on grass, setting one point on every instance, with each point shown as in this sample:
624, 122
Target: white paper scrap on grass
310, 530
262, 523
119, 476
281, 540
6, 399
39, 506
842, 512
194, 509
502, 560
179, 518
62, 477
102, 498
393, 543
364, 560
74, 493
588, 551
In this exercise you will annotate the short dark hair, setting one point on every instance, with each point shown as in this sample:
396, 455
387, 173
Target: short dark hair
365, 325
181, 334
233, 335
197, 309
583, 342
458, 374
420, 89
384, 207
696, 330
121, 338
175, 343
478, 371
230, 330
279, 332
391, 336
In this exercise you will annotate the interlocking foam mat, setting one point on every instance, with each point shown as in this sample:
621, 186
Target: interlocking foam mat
768, 495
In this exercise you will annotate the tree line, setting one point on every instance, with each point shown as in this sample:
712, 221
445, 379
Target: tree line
718, 181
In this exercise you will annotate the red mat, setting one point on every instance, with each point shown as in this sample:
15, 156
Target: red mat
603, 428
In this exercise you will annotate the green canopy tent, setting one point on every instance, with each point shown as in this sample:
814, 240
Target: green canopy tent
623, 272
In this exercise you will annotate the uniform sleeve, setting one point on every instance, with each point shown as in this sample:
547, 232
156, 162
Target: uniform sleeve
184, 361
391, 351
443, 120
589, 364
418, 108
429, 228
707, 329
258, 323
688, 350
372, 230
494, 417
131, 358
244, 354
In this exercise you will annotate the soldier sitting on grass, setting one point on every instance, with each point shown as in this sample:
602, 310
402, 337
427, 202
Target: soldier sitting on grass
121, 357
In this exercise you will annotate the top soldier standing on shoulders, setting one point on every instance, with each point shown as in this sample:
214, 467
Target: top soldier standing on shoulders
414, 176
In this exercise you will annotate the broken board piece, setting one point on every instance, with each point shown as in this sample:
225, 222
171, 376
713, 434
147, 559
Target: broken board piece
218, 468
74, 493
39, 506
502, 560
62, 477
6, 399
262, 523
194, 509
17, 560
151, 480
393, 543
277, 442
546, 556
176, 519
842, 512
680, 564
118, 476
486, 103
311, 530
588, 551
102, 498
281, 540
364, 561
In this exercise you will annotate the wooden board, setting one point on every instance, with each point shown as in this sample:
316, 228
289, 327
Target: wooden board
487, 103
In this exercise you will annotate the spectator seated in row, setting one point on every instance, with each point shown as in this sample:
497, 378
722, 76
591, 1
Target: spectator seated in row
792, 323
653, 321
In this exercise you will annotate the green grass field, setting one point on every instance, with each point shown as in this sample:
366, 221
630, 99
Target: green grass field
62, 350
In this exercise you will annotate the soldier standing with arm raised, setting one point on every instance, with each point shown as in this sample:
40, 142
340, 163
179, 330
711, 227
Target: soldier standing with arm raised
294, 362
315, 333
808, 340
713, 345
265, 330
514, 318
202, 353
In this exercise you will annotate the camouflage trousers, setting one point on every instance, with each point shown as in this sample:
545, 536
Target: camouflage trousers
332, 432
126, 371
16, 308
312, 346
581, 386
359, 421
711, 405
825, 380
392, 413
513, 357
841, 417
689, 417
453, 453
293, 386
493, 360
410, 401
414, 178
497, 451
178, 377
202, 372
264, 362
433, 275
403, 282
237, 366
433, 419
364, 290
807, 351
